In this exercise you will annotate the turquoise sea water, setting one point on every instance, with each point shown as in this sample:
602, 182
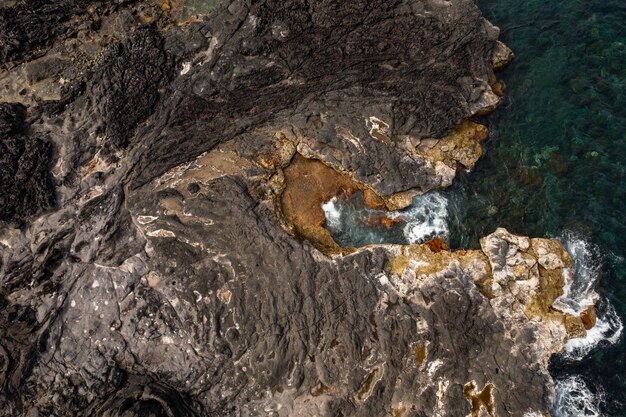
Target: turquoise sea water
557, 160
554, 166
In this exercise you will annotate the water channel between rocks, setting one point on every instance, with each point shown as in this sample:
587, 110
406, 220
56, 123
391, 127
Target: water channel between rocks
553, 167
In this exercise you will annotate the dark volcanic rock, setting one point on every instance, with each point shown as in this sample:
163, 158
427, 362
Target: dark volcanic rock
30, 24
44, 68
128, 84
273, 338
26, 186
165, 280
421, 67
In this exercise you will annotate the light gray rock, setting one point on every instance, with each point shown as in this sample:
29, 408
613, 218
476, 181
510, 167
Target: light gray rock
136, 296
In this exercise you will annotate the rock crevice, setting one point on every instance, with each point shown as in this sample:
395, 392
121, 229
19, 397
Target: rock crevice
160, 279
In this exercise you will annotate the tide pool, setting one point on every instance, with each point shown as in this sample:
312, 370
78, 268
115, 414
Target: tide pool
554, 166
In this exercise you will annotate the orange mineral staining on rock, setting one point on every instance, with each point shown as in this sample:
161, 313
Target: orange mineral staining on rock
372, 200
398, 410
480, 399
383, 221
368, 384
420, 353
308, 184
437, 245
460, 147
588, 317
322, 389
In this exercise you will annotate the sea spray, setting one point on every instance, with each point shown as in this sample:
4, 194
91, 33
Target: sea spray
426, 218
352, 223
574, 399
579, 294
608, 328
578, 291
332, 212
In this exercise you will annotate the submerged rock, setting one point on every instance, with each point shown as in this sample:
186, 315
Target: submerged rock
171, 257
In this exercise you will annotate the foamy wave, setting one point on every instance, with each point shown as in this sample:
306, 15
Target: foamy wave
574, 399
578, 292
608, 327
332, 212
426, 218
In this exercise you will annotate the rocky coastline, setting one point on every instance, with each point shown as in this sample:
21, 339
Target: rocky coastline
162, 241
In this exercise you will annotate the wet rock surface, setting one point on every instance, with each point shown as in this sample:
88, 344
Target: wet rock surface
148, 268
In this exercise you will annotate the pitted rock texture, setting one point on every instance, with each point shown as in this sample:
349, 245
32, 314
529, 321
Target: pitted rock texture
26, 186
145, 266
129, 81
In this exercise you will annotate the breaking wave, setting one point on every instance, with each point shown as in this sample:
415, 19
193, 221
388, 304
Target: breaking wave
608, 328
579, 294
332, 212
354, 224
574, 399
426, 218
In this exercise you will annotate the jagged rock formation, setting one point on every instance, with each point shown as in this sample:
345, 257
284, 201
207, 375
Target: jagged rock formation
148, 265
25, 178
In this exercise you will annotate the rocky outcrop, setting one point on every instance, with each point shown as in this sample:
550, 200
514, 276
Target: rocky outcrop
26, 184
163, 252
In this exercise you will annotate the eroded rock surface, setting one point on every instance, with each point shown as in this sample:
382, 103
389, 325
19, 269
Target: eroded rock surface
149, 264
25, 181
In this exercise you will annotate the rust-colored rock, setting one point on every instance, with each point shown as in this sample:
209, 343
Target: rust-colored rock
588, 317
389, 222
383, 221
372, 200
501, 56
309, 184
574, 326
498, 88
437, 245
420, 353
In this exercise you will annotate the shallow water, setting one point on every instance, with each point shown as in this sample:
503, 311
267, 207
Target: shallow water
351, 223
554, 166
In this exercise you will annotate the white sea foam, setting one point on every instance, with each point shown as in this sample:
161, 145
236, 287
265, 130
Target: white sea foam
574, 399
426, 218
332, 212
578, 294
608, 327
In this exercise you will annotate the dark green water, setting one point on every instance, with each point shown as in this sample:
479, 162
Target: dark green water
557, 160
554, 167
